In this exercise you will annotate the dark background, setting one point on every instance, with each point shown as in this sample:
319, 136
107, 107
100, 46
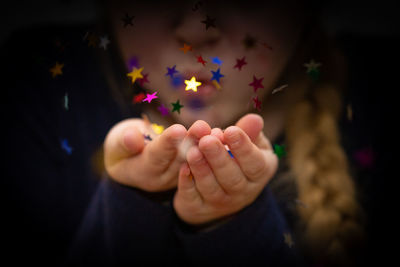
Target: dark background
368, 33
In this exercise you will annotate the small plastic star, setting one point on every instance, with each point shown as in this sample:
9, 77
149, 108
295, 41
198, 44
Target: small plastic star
257, 83
164, 111
313, 69
186, 48
177, 106
257, 103
279, 150
135, 74
201, 60
133, 62
192, 84
66, 101
364, 157
127, 20
216, 84
217, 75
138, 98
171, 71
150, 97
216, 60
56, 69
143, 80
147, 137
65, 146
158, 129
288, 239
93, 39
240, 63
249, 42
209, 22
104, 41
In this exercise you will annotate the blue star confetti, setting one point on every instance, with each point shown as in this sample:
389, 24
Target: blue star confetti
65, 146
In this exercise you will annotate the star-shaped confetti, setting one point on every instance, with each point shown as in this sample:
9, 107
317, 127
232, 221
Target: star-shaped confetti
217, 75
192, 84
209, 22
288, 239
56, 69
135, 74
257, 83
257, 103
313, 69
66, 101
279, 150
150, 97
364, 157
104, 41
249, 42
186, 48
133, 62
138, 98
66, 147
216, 60
127, 20
143, 80
216, 84
171, 71
158, 129
240, 63
197, 5
201, 60
93, 39
163, 110
177, 106
147, 137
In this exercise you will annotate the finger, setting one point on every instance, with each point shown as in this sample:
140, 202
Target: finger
205, 180
186, 185
253, 124
225, 169
163, 149
217, 132
251, 159
196, 131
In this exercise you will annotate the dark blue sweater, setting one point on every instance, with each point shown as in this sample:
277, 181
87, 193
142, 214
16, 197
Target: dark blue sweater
57, 211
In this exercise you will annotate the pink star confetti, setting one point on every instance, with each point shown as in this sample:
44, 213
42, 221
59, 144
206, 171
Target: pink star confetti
257, 83
143, 80
150, 97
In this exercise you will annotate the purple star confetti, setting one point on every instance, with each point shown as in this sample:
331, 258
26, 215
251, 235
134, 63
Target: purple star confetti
164, 111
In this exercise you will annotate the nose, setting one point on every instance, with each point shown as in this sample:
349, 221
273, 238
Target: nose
191, 30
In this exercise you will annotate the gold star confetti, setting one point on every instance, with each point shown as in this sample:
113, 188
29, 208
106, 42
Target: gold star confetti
135, 74
216, 84
56, 69
288, 239
158, 129
192, 84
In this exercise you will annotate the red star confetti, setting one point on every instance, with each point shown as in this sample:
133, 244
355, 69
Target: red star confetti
138, 98
186, 48
240, 63
150, 97
257, 103
143, 80
56, 69
257, 83
201, 60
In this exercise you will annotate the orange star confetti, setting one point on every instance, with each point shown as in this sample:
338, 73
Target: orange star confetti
186, 48
135, 74
192, 84
56, 69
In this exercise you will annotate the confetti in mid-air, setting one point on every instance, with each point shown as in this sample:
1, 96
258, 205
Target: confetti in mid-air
216, 84
143, 80
201, 60
56, 69
150, 97
177, 106
313, 69
158, 129
65, 146
279, 150
197, 5
257, 103
163, 110
217, 75
288, 239
364, 157
138, 98
280, 88
171, 71
192, 84
257, 83
186, 48
209, 22
240, 63
216, 60
66, 101
93, 39
127, 20
104, 41
135, 74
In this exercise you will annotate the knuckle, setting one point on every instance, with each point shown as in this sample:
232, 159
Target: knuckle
257, 170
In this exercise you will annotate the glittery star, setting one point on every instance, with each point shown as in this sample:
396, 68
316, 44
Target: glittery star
249, 42
104, 41
257, 83
257, 103
240, 63
158, 129
56, 69
127, 20
216, 75
312, 69
65, 146
186, 48
288, 239
66, 101
143, 80
135, 74
93, 39
201, 60
216, 60
164, 111
192, 84
279, 150
150, 97
171, 71
177, 106
209, 22
138, 98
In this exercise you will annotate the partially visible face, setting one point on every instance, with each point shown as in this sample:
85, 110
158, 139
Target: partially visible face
160, 30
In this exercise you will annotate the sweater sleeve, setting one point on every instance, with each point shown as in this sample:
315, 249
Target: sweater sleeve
256, 235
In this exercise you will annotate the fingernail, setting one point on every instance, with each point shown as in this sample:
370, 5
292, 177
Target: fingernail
234, 138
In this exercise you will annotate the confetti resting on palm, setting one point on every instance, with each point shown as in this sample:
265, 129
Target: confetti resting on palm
56, 70
192, 84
